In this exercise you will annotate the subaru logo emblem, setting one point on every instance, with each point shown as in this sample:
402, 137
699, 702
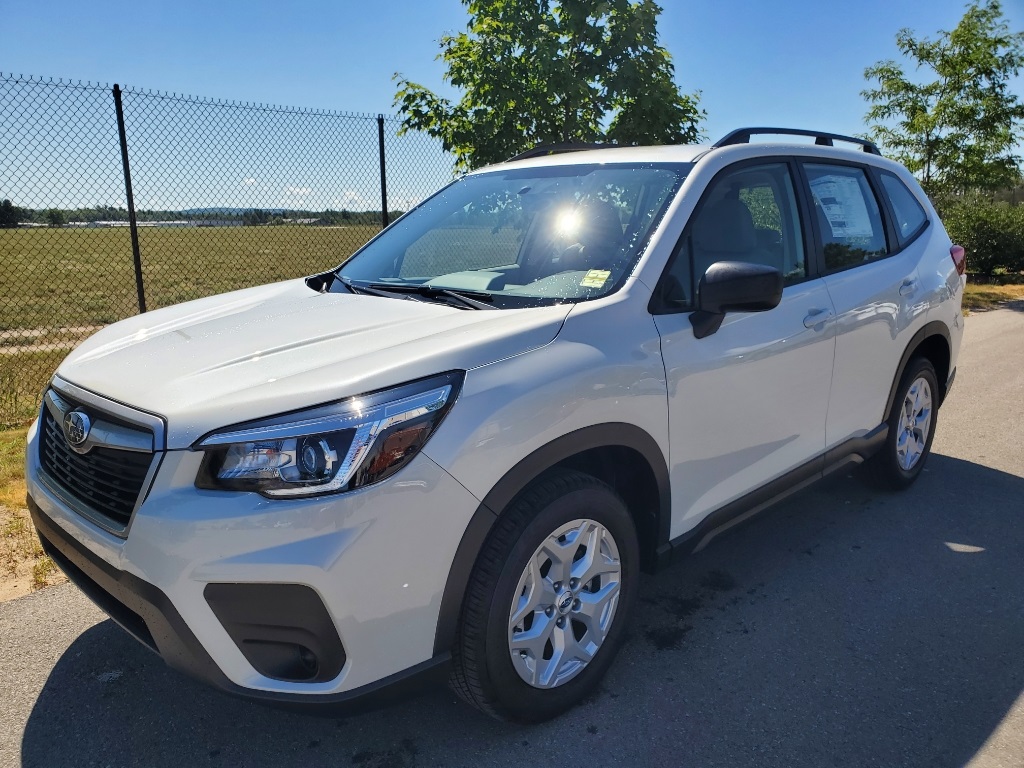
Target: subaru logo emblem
565, 603
76, 428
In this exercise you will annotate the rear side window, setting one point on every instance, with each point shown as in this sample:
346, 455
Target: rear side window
910, 216
848, 215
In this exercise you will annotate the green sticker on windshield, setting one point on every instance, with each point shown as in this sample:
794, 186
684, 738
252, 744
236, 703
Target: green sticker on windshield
595, 278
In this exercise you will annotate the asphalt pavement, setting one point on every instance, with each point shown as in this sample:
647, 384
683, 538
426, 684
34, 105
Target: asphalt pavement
845, 627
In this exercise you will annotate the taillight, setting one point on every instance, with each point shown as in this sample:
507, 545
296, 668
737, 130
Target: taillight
959, 258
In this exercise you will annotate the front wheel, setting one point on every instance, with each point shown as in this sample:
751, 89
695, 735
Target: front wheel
549, 600
911, 428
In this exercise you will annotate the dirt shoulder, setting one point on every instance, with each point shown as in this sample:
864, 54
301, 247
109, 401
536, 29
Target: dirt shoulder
983, 297
24, 566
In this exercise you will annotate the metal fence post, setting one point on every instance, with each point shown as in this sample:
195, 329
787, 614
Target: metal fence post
132, 223
383, 174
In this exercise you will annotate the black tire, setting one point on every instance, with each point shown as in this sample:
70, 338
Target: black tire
482, 670
883, 470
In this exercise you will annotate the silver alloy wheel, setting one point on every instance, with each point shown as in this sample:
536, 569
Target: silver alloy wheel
565, 603
915, 424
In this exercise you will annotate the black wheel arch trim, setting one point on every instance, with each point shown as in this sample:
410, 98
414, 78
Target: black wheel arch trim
609, 435
934, 328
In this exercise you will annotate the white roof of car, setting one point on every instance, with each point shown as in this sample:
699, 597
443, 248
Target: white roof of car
681, 153
676, 153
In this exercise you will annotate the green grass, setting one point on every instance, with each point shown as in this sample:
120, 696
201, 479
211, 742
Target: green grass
12, 467
22, 378
83, 277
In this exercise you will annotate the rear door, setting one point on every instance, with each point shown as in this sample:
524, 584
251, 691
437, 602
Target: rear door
747, 403
874, 286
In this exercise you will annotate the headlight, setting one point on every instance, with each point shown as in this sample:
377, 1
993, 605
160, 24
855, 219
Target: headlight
330, 448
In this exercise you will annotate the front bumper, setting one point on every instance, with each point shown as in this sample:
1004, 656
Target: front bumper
149, 616
377, 561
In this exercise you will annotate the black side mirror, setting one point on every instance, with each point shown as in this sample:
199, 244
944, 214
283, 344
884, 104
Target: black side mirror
734, 286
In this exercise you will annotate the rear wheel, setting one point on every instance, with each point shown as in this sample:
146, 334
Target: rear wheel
911, 428
548, 601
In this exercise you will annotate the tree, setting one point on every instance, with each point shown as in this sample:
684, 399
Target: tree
10, 215
256, 217
55, 217
552, 71
957, 124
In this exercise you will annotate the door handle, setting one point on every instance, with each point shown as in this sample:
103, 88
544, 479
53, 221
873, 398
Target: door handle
908, 286
818, 317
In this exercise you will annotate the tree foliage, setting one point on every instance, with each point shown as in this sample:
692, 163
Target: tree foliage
954, 121
552, 71
10, 214
992, 233
55, 217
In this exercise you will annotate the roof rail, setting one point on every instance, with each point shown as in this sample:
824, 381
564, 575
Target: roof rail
742, 136
556, 149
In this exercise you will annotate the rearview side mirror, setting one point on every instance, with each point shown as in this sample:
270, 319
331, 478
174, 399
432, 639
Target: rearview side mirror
734, 286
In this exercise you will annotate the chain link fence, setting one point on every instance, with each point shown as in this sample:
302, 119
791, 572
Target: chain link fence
117, 200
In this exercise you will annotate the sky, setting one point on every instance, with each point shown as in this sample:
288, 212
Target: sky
793, 63
786, 62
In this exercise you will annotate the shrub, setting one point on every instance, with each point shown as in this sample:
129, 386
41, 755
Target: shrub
991, 232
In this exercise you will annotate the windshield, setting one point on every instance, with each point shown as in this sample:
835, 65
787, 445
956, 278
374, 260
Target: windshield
523, 237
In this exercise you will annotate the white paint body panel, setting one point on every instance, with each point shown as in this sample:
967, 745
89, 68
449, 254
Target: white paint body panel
605, 366
277, 348
874, 324
746, 404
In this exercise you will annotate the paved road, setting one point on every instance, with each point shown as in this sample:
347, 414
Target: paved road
844, 628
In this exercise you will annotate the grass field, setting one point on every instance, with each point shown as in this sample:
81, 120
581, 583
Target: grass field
61, 278
61, 284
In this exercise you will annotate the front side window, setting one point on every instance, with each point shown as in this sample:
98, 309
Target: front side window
848, 215
749, 214
910, 216
523, 237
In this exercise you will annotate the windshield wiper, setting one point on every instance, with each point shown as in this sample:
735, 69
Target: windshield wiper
468, 299
370, 290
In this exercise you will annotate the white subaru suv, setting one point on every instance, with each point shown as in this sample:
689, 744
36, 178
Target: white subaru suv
452, 455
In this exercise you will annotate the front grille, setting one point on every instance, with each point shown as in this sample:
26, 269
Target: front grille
106, 481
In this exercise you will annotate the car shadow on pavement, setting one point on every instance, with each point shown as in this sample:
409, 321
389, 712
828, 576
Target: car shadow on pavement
845, 627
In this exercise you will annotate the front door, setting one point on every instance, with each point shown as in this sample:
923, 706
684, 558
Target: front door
748, 403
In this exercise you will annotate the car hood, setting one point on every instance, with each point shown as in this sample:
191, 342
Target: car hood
277, 348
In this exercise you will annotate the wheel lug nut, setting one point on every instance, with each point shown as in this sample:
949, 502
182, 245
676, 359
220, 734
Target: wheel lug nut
561, 623
558, 586
576, 605
573, 583
549, 611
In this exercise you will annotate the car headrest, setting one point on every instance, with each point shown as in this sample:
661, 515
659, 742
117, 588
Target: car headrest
725, 227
